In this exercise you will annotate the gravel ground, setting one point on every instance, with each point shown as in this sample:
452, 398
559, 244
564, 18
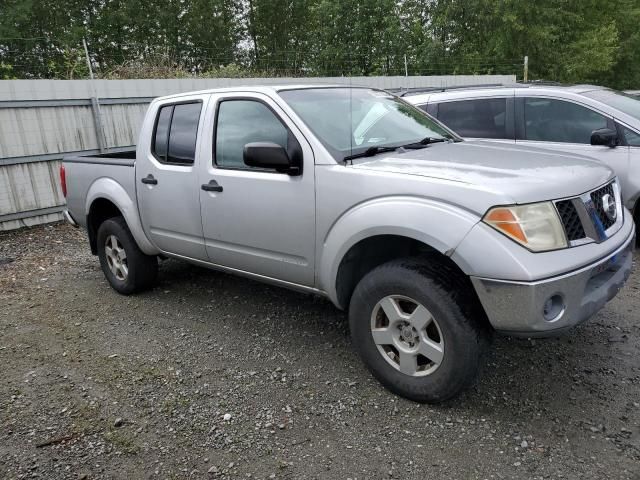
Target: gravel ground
214, 376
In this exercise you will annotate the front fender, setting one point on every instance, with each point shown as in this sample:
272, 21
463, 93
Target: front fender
111, 190
439, 225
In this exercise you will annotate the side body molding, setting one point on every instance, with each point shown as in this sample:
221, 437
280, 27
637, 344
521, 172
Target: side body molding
111, 190
439, 225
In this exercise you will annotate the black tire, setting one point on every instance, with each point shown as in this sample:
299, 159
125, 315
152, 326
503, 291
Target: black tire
445, 294
142, 269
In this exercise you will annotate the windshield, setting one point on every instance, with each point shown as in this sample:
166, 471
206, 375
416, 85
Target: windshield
349, 121
621, 101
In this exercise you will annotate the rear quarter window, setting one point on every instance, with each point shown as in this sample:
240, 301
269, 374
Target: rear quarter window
175, 135
161, 135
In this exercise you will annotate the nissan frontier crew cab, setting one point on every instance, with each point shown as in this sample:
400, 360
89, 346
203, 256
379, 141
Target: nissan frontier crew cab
429, 242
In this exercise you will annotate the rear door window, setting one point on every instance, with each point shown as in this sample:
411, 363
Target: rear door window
479, 118
176, 131
550, 120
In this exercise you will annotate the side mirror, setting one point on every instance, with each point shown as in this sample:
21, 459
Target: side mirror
604, 136
268, 155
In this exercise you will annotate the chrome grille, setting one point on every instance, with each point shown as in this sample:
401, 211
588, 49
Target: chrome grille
596, 198
585, 218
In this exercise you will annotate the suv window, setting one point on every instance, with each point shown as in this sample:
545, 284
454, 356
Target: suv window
551, 120
481, 118
631, 138
245, 121
174, 139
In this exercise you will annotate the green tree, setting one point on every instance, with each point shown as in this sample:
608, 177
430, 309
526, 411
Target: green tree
41, 38
595, 41
625, 71
358, 37
280, 32
566, 40
194, 35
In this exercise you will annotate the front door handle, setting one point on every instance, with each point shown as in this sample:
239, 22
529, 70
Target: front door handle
149, 180
212, 186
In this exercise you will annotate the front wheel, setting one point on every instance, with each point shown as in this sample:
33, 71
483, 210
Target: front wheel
412, 332
125, 266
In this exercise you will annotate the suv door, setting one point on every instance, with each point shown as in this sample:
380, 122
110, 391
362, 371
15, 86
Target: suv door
477, 118
566, 126
167, 180
260, 221
631, 141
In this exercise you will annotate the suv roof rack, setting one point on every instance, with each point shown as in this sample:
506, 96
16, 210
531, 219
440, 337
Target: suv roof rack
551, 83
403, 92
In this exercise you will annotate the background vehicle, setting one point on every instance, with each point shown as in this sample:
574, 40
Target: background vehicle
351, 193
556, 117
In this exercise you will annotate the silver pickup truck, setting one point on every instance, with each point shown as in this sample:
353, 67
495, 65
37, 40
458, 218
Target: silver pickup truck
430, 242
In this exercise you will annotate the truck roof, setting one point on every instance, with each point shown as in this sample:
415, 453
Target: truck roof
268, 89
412, 92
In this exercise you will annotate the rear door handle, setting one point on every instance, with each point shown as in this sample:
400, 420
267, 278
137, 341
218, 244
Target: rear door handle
212, 186
149, 180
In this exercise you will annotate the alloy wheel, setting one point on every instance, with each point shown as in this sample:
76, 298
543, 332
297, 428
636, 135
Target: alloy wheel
116, 258
407, 335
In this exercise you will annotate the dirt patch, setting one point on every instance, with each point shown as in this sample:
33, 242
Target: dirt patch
214, 376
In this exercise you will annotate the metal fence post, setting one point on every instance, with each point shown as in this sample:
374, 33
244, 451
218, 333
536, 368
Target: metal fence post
95, 104
97, 119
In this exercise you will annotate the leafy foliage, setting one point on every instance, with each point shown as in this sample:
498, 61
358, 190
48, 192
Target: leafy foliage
594, 41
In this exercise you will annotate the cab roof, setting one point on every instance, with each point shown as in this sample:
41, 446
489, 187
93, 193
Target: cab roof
266, 89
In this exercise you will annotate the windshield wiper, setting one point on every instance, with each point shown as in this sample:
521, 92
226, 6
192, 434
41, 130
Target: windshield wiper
424, 142
370, 152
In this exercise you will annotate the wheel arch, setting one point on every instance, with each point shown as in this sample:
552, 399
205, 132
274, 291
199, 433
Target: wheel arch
383, 230
100, 210
105, 199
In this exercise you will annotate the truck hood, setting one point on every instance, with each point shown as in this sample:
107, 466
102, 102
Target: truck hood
524, 174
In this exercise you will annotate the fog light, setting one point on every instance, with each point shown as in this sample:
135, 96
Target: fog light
553, 308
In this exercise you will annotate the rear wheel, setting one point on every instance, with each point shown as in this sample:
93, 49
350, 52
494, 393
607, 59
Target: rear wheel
125, 266
414, 330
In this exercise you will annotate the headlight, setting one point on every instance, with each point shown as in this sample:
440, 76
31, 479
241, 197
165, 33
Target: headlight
536, 226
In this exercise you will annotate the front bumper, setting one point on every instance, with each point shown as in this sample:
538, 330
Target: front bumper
518, 308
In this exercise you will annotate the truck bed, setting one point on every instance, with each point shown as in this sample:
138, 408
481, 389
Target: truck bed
114, 171
123, 158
